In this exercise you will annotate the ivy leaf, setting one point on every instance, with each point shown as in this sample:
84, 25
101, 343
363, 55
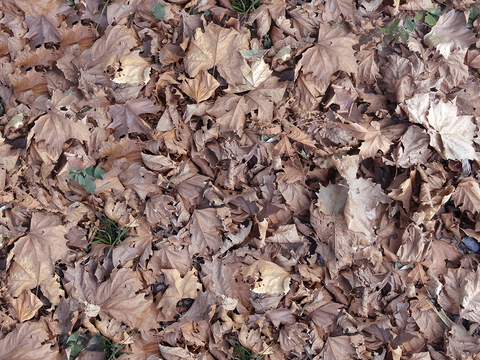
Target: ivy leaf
409, 23
89, 184
159, 11
430, 20
99, 173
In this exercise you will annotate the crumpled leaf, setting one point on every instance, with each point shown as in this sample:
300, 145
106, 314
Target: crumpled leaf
450, 33
269, 278
135, 70
126, 117
218, 47
27, 341
450, 134
332, 52
178, 288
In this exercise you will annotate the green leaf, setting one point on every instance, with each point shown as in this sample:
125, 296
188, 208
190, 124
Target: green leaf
394, 26
159, 11
99, 173
420, 16
473, 13
90, 184
90, 171
335, 26
409, 23
430, 20
403, 35
435, 12
80, 179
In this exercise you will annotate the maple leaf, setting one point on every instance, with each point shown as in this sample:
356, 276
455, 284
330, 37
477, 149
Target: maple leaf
450, 32
332, 52
44, 242
269, 277
363, 197
204, 229
413, 149
117, 41
126, 117
113, 298
467, 195
26, 306
259, 73
372, 134
27, 341
218, 47
451, 135
178, 288
135, 70
229, 111
55, 130
201, 88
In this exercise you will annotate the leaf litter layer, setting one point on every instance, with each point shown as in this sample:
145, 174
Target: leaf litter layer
300, 182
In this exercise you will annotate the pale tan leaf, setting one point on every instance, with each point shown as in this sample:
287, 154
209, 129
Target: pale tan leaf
27, 342
218, 47
178, 288
450, 33
135, 70
26, 306
201, 88
332, 52
269, 277
467, 195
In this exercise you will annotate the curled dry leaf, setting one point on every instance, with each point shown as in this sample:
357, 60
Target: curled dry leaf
449, 33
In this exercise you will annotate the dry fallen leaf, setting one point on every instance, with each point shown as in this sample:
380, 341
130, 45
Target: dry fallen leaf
449, 33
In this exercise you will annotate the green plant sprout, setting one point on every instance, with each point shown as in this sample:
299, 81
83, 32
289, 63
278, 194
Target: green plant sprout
76, 343
110, 233
246, 6
112, 350
86, 177
245, 354
394, 32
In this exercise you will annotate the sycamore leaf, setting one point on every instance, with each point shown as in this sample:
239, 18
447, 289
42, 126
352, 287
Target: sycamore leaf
201, 88
260, 72
470, 309
27, 341
450, 33
126, 117
204, 229
372, 134
55, 130
44, 242
178, 288
117, 41
42, 29
229, 111
26, 306
218, 47
135, 70
467, 195
332, 52
269, 277
450, 134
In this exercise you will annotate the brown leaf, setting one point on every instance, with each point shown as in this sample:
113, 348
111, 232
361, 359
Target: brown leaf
201, 88
126, 117
178, 288
27, 341
218, 47
26, 306
450, 32
332, 52
229, 112
467, 195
